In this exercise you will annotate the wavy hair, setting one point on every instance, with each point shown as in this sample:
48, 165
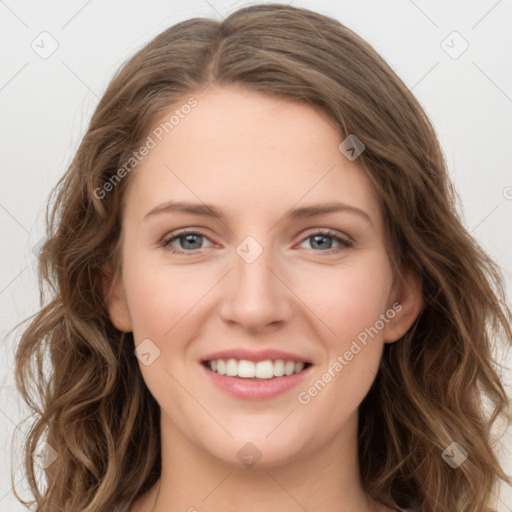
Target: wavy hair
437, 385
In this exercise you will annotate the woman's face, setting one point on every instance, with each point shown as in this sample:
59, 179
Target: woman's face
262, 283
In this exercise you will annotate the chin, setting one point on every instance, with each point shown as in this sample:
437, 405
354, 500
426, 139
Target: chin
258, 451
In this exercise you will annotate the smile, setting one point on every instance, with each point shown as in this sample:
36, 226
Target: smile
263, 370
255, 375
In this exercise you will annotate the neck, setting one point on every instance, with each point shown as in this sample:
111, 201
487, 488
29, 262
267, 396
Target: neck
325, 479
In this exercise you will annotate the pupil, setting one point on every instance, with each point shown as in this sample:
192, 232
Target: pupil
190, 238
316, 237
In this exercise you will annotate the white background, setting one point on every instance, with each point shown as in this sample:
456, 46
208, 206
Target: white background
46, 105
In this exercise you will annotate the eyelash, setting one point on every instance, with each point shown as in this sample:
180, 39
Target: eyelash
344, 243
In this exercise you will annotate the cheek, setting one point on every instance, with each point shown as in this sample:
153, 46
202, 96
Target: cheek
353, 304
163, 304
161, 298
351, 299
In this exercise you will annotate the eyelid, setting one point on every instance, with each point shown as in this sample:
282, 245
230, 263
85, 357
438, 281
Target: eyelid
327, 231
182, 232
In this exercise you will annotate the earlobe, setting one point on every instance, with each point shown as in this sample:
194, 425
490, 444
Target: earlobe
115, 299
407, 297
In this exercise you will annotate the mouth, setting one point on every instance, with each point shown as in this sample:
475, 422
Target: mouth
255, 376
256, 371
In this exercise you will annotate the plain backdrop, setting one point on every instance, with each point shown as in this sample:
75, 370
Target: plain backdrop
58, 57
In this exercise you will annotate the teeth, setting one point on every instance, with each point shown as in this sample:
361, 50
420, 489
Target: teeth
279, 368
264, 370
298, 367
231, 368
289, 367
260, 370
246, 369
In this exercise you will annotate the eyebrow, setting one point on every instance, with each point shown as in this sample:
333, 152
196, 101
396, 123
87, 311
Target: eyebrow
208, 210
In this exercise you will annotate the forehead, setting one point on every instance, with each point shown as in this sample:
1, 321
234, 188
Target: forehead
249, 152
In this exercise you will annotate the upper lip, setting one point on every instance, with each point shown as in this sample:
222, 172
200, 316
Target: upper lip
255, 356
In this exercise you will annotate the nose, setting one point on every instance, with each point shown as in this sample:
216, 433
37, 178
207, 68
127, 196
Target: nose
255, 295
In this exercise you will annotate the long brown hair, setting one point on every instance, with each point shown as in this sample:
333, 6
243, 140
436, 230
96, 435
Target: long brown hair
436, 386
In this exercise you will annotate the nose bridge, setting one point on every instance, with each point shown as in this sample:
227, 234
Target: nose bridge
256, 297
252, 272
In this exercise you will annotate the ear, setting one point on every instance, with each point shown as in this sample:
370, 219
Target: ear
115, 299
406, 299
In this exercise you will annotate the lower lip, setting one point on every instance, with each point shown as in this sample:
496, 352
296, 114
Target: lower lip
249, 389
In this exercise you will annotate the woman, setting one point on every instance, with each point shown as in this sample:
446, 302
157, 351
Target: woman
259, 370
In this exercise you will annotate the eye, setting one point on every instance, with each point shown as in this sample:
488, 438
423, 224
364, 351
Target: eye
318, 239
190, 242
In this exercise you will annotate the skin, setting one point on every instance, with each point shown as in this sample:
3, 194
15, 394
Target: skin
255, 157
